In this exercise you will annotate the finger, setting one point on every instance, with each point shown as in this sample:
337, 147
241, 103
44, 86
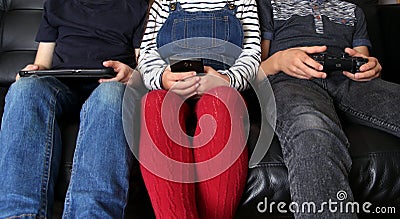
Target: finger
367, 66
181, 76
118, 77
353, 52
185, 84
310, 62
126, 79
371, 64
349, 75
111, 64
127, 75
186, 92
311, 73
104, 80
30, 67
361, 76
350, 51
170, 79
308, 67
190, 91
367, 75
312, 68
297, 73
313, 49
209, 69
214, 80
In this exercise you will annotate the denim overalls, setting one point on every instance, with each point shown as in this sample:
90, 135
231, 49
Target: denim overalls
215, 36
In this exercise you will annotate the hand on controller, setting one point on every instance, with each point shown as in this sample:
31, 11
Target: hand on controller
295, 62
370, 70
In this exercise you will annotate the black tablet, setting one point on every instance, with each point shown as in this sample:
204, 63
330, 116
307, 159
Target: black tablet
71, 73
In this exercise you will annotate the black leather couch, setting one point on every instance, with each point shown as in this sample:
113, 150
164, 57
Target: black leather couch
375, 175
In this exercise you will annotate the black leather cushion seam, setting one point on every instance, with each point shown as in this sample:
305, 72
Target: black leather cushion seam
22, 5
19, 50
26, 9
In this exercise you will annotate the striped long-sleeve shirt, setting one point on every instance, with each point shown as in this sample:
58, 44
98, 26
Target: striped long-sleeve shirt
245, 68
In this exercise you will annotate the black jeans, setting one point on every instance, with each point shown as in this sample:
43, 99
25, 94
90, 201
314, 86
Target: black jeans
314, 146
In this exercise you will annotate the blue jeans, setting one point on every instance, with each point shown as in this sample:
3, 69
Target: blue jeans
30, 150
314, 146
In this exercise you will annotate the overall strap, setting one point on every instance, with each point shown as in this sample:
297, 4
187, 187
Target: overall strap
174, 6
230, 6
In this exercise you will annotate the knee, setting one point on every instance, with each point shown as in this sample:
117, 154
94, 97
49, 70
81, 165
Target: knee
222, 98
158, 99
31, 89
107, 97
311, 125
317, 136
109, 93
154, 97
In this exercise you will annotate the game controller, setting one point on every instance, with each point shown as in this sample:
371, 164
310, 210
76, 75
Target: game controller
339, 63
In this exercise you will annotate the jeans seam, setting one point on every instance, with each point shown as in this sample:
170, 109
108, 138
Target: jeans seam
376, 154
24, 216
371, 119
67, 210
48, 155
280, 131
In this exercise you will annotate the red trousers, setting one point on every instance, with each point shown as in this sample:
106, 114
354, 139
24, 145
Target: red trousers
194, 177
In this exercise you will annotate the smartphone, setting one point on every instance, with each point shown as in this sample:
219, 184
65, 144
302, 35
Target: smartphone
188, 65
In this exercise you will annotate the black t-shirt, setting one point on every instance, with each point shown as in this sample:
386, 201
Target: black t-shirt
88, 32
